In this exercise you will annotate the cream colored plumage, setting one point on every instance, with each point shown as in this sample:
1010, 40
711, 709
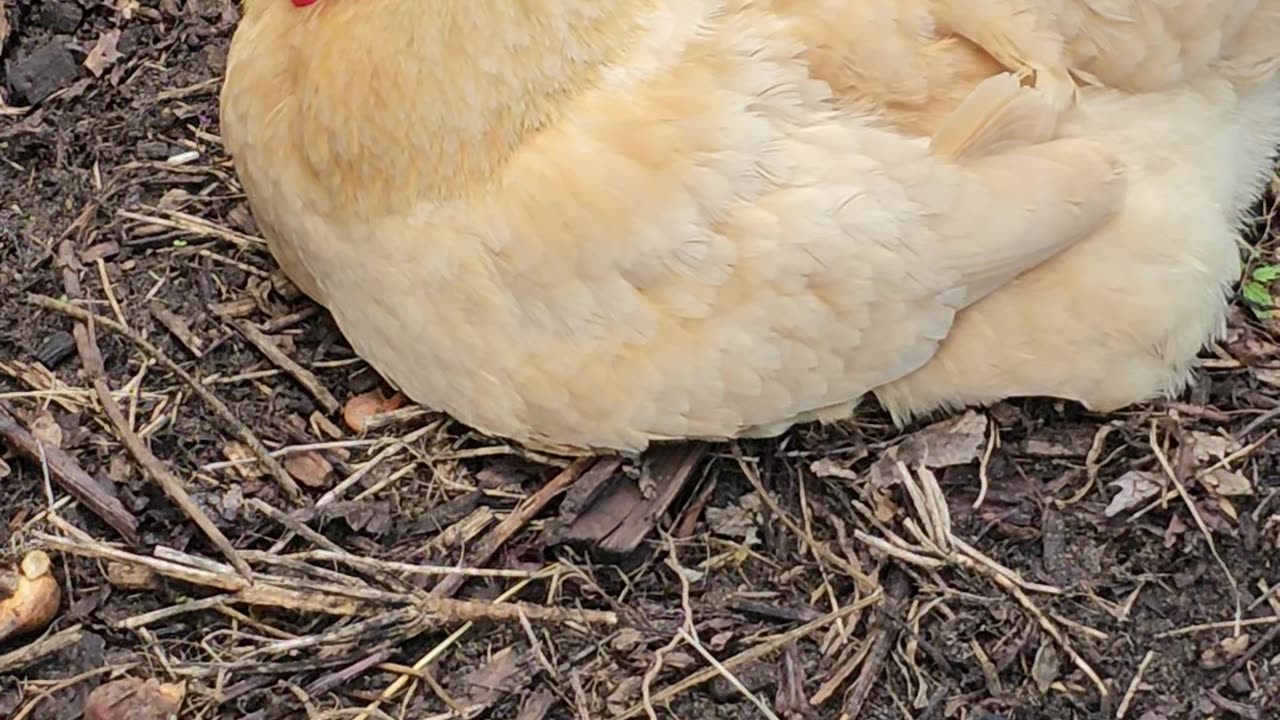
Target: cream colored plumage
1119, 317
1135, 45
599, 223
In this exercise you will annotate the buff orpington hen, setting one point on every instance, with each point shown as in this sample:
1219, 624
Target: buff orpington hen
1119, 317
1134, 45
593, 224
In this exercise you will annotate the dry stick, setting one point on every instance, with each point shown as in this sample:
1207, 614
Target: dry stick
237, 428
1134, 685
885, 640
333, 600
1195, 515
91, 359
512, 523
305, 378
755, 653
33, 652
68, 474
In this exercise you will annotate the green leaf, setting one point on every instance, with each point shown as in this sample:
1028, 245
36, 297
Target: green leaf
1267, 273
1257, 294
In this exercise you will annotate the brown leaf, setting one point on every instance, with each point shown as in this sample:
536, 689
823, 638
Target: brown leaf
47, 430
104, 53
1045, 668
506, 672
360, 408
1224, 483
956, 441
741, 520
1136, 487
135, 699
310, 468
1235, 646
1210, 447
245, 463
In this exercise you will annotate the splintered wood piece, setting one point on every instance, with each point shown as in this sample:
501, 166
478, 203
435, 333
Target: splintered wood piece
67, 473
621, 517
512, 523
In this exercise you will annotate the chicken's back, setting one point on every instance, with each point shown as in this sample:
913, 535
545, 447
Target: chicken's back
1120, 317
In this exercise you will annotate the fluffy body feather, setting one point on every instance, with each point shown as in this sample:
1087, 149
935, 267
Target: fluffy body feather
1119, 317
1135, 45
598, 224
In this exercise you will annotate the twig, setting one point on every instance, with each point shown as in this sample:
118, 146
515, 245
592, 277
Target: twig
884, 642
91, 359
1248, 655
512, 523
984, 479
305, 377
432, 655
233, 424
1195, 514
1134, 685
333, 599
817, 547
68, 474
764, 649
44, 647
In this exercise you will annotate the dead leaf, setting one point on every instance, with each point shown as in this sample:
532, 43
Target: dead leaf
1269, 377
359, 409
1045, 668
1210, 448
628, 690
310, 468
1235, 646
1176, 527
104, 53
47, 430
1136, 487
626, 640
244, 462
957, 441
5, 470
506, 672
741, 520
135, 699
1224, 483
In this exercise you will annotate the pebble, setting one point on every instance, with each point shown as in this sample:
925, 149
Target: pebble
42, 72
59, 15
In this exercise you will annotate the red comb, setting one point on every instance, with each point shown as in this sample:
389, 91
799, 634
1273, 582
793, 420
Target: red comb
302, 3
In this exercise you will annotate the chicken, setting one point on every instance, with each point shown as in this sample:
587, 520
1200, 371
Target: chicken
1119, 317
594, 224
1134, 45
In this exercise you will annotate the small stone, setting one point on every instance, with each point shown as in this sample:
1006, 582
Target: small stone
54, 349
43, 72
59, 16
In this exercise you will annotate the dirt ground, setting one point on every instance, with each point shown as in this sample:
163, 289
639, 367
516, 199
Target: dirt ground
1116, 566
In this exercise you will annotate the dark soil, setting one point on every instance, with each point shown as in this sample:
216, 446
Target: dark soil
126, 168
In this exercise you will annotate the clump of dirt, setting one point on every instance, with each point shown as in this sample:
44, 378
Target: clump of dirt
1113, 562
